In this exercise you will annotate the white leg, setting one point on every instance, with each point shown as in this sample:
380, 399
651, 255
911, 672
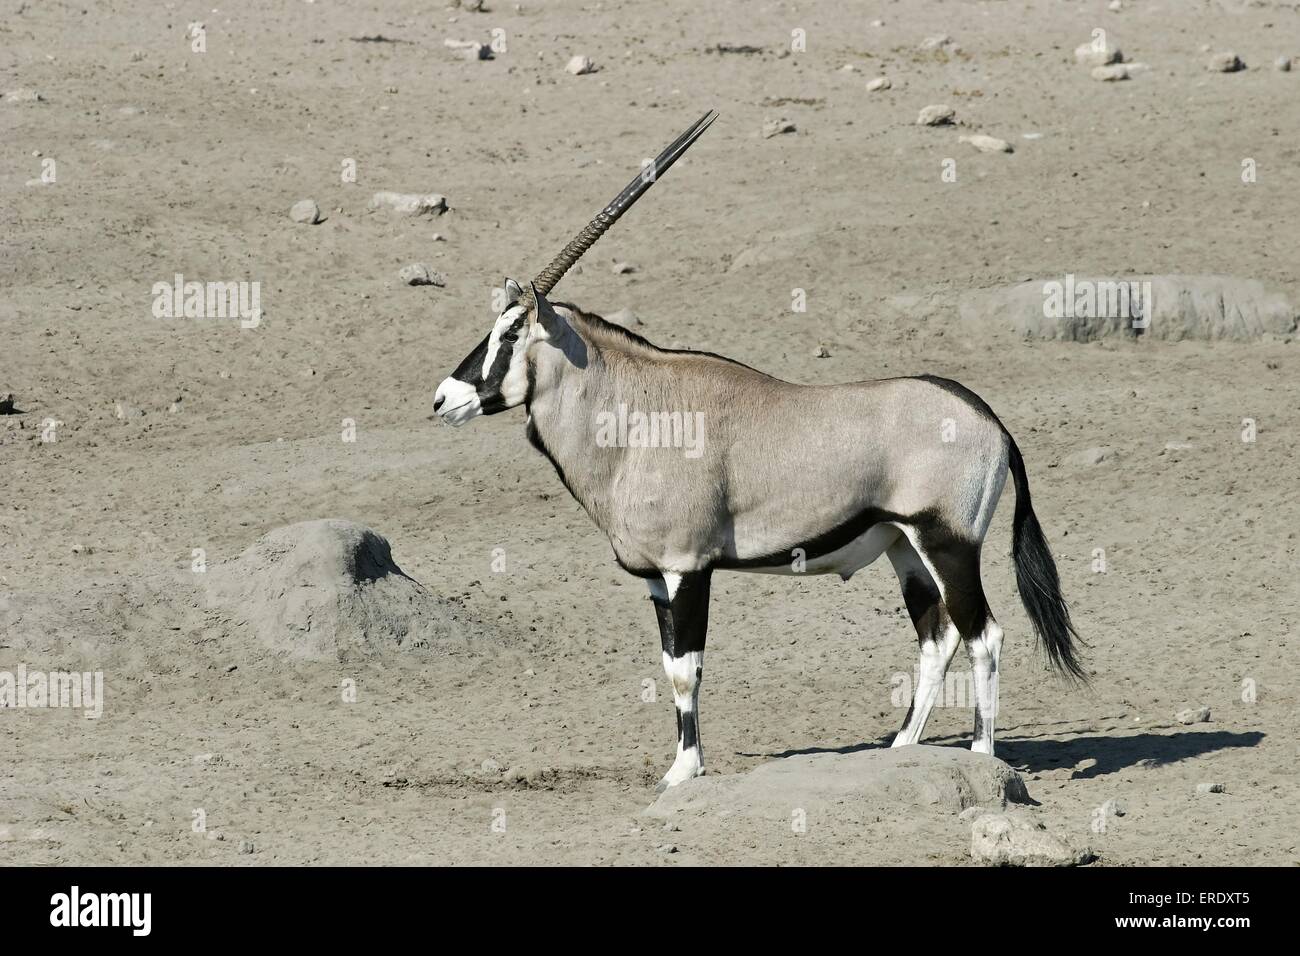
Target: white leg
935, 655
984, 652
684, 673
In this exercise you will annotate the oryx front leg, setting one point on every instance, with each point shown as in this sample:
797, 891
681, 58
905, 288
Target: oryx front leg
682, 605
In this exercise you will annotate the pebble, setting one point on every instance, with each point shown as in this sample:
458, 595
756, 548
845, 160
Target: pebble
580, 65
1193, 715
305, 210
125, 412
23, 95
667, 848
624, 268
1113, 808
1093, 53
940, 41
469, 49
879, 83
987, 144
246, 846
490, 766
410, 204
821, 352
1112, 73
1226, 63
937, 114
776, 127
1283, 64
1211, 788
417, 273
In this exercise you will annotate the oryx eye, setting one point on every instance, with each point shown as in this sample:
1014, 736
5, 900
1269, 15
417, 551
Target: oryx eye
510, 335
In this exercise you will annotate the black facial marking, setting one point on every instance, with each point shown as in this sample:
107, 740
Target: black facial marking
470, 370
489, 390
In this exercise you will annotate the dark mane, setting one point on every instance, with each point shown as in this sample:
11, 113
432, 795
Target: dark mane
604, 325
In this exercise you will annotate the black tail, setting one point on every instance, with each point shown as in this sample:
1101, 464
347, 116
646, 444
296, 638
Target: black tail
1036, 577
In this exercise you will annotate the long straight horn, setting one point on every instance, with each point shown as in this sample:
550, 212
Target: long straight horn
583, 241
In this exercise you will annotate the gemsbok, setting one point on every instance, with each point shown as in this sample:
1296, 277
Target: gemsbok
693, 463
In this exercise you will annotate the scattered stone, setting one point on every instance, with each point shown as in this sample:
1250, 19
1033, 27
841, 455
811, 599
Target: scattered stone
305, 210
200, 760
1113, 73
1197, 715
937, 114
624, 268
246, 846
987, 144
1113, 808
1097, 53
82, 549
1090, 456
667, 848
821, 352
878, 84
469, 49
417, 273
1211, 788
580, 65
776, 127
23, 95
940, 42
490, 766
848, 68
1005, 839
410, 204
1282, 64
1226, 63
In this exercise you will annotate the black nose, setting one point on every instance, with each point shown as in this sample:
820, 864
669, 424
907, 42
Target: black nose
438, 402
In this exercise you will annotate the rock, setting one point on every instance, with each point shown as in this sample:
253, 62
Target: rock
1090, 456
938, 114
776, 127
1098, 52
1171, 307
1113, 808
23, 95
623, 268
305, 210
1211, 788
1283, 64
987, 144
490, 766
940, 42
879, 83
625, 318
246, 846
469, 49
410, 204
848, 68
821, 352
1007, 839
1225, 63
1198, 715
580, 65
417, 273
330, 590
849, 786
1113, 73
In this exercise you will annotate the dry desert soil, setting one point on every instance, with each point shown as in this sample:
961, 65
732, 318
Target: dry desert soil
523, 735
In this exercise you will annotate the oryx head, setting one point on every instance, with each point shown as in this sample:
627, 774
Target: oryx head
494, 376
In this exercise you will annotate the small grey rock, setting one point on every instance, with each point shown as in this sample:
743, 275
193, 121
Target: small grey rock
417, 273
1193, 715
1226, 63
23, 95
1211, 788
305, 210
1112, 73
1005, 839
821, 352
490, 766
580, 65
879, 83
777, 127
1283, 64
1097, 53
246, 846
624, 268
410, 204
937, 114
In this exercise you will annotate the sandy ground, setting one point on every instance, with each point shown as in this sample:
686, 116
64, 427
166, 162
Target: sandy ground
172, 161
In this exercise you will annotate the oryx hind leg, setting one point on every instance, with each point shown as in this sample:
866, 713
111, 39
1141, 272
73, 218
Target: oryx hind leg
682, 606
956, 598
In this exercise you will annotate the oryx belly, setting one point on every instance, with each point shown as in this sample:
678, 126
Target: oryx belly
844, 561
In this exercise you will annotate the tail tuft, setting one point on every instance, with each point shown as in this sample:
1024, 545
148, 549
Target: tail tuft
1038, 582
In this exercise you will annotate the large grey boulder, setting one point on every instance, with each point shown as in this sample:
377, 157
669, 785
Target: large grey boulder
859, 785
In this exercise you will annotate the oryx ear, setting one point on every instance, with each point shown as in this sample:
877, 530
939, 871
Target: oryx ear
514, 292
543, 314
